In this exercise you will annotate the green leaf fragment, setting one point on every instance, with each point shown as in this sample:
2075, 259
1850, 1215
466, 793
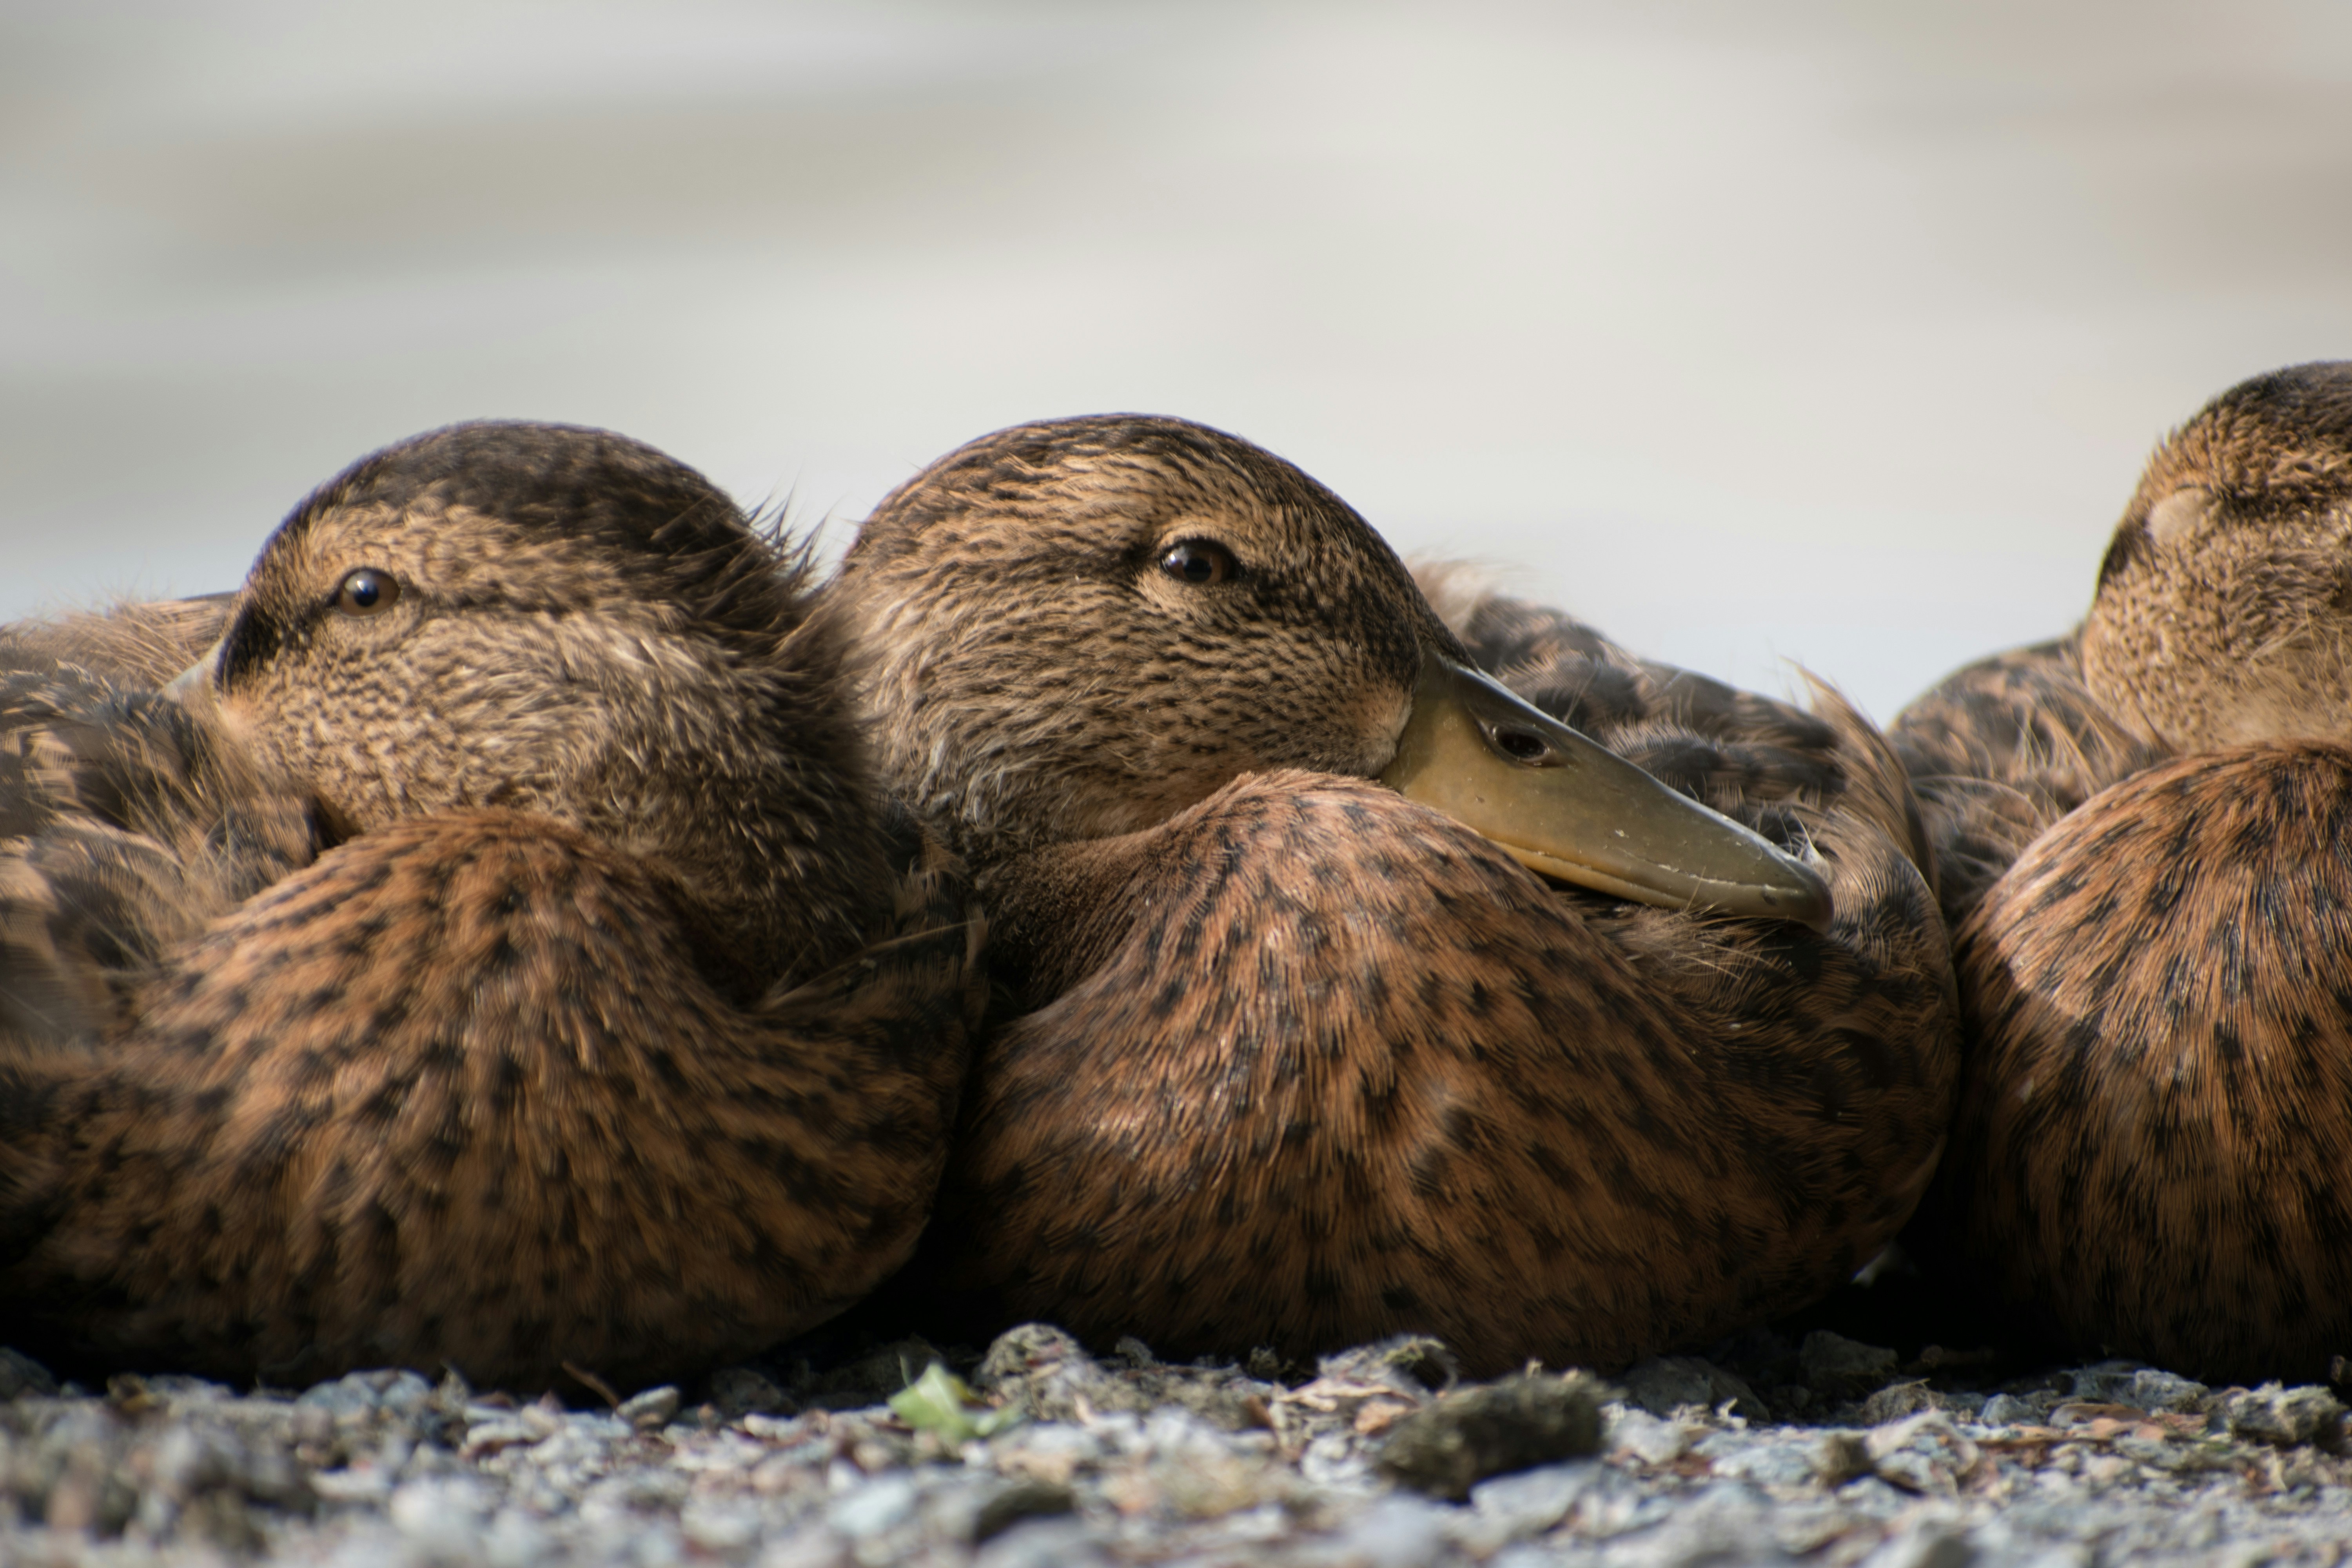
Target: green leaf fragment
941, 1402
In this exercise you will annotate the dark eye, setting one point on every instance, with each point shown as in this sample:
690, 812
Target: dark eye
1525, 745
1200, 562
367, 591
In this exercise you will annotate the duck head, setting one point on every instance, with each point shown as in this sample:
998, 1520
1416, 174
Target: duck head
1077, 628
2223, 613
563, 622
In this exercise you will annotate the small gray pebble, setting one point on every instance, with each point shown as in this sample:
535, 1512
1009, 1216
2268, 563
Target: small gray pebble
1042, 1544
1769, 1463
1394, 1532
2288, 1418
1515, 1423
883, 1503
738, 1391
402, 1393
1897, 1400
1837, 1365
1842, 1457
2008, 1410
2107, 1382
1647, 1438
2154, 1390
20, 1373
1662, 1384
354, 1394
1534, 1500
649, 1409
1008, 1505
1929, 1545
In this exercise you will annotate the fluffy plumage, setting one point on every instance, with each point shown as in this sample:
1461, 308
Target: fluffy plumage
600, 1020
126, 823
2155, 1127
1294, 1061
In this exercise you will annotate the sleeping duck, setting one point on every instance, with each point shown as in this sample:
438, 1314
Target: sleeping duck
2153, 1150
135, 645
1344, 992
126, 823
602, 1019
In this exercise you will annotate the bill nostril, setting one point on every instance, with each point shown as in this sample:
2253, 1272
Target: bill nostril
1523, 744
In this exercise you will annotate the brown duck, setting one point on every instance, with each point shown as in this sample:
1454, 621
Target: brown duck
2154, 1146
1296, 1059
126, 823
600, 1019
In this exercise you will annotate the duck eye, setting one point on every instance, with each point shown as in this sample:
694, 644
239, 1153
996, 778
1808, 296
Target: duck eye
367, 591
1521, 745
1200, 562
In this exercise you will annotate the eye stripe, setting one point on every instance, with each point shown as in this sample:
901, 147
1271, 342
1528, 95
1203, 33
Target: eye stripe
252, 640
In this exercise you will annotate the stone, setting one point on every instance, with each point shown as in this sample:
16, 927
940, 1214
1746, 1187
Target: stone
738, 1390
1394, 1532
1647, 1438
1450, 1445
2107, 1382
441, 1517
1931, 1545
1844, 1368
2009, 1410
2287, 1418
1009, 1505
1897, 1400
719, 1525
352, 1395
21, 1374
1530, 1502
1765, 1464
649, 1410
1842, 1457
883, 1503
2163, 1391
1662, 1384
1042, 1543
1724, 1524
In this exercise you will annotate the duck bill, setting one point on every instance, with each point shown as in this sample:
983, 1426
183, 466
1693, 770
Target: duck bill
1563, 804
196, 684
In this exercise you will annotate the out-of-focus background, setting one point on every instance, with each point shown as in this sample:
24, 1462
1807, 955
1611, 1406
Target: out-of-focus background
1753, 329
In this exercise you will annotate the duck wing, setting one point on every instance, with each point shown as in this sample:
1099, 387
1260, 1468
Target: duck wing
125, 825
139, 644
1999, 749
460, 1093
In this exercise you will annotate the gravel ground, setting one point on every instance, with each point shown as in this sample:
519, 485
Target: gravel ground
1041, 1454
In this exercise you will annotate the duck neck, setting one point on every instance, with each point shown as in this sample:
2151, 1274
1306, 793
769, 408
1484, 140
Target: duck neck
1057, 911
765, 820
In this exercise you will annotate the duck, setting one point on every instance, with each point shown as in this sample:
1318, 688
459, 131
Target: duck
132, 645
1341, 992
125, 824
2152, 1152
608, 1026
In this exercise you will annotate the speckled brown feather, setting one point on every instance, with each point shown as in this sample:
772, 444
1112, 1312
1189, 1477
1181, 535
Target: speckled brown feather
509, 1128
2155, 1129
135, 645
1305, 1063
2156, 1135
610, 1032
1998, 751
126, 826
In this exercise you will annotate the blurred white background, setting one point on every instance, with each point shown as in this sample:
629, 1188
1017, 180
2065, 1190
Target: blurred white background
1753, 332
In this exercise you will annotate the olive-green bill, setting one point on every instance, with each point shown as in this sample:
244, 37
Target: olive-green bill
1567, 806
